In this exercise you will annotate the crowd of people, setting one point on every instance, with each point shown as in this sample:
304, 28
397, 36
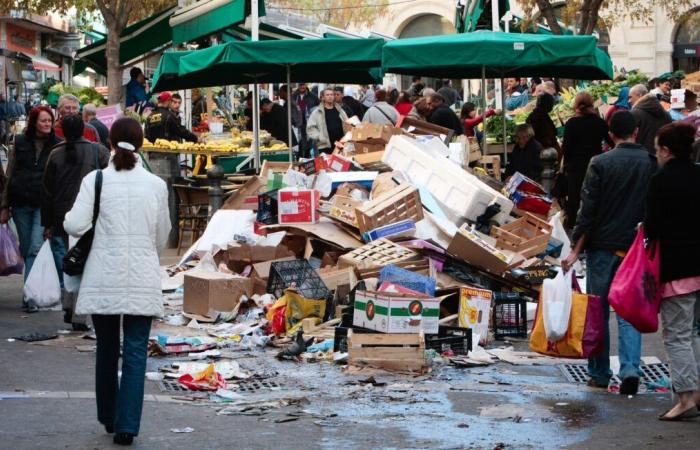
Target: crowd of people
62, 182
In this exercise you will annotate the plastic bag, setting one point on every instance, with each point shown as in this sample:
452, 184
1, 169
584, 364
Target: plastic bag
43, 285
635, 292
556, 305
10, 257
559, 233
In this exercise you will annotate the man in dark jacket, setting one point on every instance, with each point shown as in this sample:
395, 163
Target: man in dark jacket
273, 119
162, 124
449, 93
90, 117
442, 115
306, 101
612, 204
649, 116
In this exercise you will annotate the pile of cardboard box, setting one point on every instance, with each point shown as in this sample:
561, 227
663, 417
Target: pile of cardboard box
413, 247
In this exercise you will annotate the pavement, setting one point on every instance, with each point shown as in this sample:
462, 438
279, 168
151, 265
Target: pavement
47, 402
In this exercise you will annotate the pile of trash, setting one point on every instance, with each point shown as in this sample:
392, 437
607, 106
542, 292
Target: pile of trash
389, 253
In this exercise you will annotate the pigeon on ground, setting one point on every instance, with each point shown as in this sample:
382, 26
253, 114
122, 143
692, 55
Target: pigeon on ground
296, 348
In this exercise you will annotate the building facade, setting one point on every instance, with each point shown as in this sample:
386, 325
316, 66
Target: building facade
659, 46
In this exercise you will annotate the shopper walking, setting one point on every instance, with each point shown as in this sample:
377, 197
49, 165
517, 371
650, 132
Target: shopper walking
325, 125
381, 113
672, 222
584, 136
121, 280
90, 117
306, 102
545, 131
621, 104
68, 104
649, 114
66, 166
612, 204
21, 198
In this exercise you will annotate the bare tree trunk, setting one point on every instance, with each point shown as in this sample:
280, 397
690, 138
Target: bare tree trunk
116, 15
547, 12
594, 16
585, 16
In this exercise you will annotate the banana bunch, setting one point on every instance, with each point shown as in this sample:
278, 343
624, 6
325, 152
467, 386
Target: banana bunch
567, 95
274, 148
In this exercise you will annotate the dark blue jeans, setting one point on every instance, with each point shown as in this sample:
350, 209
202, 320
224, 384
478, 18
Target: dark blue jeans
601, 266
120, 404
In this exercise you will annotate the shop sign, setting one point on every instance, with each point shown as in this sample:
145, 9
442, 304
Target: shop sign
108, 114
686, 50
21, 40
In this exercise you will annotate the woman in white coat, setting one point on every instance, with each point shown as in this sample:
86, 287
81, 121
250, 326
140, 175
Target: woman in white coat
121, 276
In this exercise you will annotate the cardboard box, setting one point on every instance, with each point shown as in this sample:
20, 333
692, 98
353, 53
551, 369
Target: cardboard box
475, 248
337, 163
297, 205
475, 310
246, 197
402, 228
368, 147
250, 254
368, 132
208, 292
393, 313
343, 209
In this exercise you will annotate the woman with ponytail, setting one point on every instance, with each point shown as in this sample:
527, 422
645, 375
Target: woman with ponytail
121, 279
68, 163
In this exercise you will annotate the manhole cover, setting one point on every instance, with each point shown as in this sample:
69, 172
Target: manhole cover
171, 386
256, 384
578, 373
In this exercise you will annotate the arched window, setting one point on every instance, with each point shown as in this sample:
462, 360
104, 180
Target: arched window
427, 25
686, 43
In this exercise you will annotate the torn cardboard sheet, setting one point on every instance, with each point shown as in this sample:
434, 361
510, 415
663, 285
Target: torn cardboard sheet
325, 230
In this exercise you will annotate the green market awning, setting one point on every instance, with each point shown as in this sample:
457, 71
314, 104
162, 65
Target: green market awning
138, 39
266, 32
166, 78
205, 18
500, 54
309, 60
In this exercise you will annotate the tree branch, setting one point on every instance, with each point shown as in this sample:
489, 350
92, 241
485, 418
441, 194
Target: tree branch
585, 16
594, 16
547, 12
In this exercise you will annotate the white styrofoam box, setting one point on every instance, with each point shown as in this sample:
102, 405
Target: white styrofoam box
463, 194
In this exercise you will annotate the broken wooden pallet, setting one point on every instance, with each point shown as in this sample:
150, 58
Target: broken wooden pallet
393, 352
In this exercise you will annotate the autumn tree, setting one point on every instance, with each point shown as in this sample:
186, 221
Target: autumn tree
585, 15
116, 14
338, 13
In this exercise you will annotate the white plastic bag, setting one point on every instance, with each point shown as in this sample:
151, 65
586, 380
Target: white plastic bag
556, 305
559, 233
43, 285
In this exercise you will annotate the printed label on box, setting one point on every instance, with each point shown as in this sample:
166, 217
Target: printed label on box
474, 310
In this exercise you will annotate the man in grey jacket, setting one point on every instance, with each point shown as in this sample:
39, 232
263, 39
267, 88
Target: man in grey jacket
612, 204
325, 124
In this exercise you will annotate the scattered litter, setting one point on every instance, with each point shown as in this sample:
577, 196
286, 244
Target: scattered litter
182, 430
36, 337
154, 376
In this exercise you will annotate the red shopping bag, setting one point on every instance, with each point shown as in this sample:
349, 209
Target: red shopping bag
635, 292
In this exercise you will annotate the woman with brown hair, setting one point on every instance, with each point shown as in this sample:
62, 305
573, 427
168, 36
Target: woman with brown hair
584, 135
672, 221
21, 198
122, 273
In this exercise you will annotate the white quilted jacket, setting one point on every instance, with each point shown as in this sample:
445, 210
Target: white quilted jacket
122, 271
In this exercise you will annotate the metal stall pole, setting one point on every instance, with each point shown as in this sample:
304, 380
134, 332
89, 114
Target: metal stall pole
505, 134
289, 110
483, 111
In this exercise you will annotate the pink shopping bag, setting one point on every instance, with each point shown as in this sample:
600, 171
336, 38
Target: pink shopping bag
635, 292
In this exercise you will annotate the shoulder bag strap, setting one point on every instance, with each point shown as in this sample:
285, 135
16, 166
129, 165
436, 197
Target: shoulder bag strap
97, 157
98, 192
383, 113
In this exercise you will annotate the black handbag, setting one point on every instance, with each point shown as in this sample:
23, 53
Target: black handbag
75, 259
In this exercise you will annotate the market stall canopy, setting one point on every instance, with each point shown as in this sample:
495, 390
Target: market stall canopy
41, 63
319, 60
166, 78
141, 38
266, 32
203, 18
501, 54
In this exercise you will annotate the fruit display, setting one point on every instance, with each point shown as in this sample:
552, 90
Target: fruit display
213, 145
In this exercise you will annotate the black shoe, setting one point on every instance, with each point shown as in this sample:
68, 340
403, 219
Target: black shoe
109, 429
629, 386
594, 384
80, 327
32, 307
123, 438
67, 316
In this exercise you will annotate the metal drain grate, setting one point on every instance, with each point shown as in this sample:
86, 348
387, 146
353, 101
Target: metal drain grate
171, 386
256, 384
578, 373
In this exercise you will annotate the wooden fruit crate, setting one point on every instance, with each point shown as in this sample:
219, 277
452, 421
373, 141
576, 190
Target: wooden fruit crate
394, 352
377, 253
400, 203
528, 235
344, 209
492, 165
